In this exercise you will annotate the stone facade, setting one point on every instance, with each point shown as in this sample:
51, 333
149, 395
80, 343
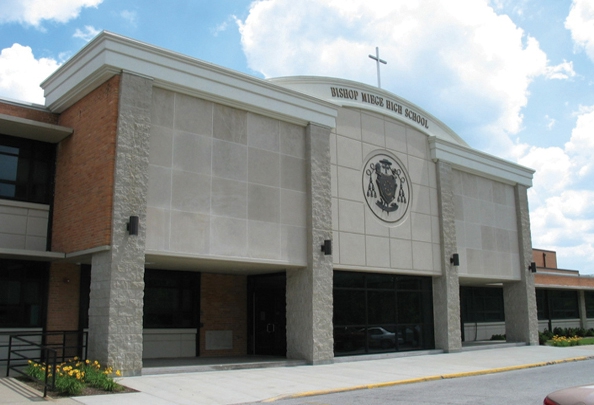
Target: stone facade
115, 314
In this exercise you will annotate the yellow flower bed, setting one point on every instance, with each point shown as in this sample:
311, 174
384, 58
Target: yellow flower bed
72, 376
565, 341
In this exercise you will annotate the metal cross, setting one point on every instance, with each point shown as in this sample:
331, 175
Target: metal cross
377, 60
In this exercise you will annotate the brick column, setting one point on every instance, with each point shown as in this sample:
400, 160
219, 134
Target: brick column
309, 290
521, 322
117, 276
446, 288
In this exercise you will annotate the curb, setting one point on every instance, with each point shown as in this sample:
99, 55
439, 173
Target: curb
424, 379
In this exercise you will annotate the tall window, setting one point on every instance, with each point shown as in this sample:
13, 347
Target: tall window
381, 313
26, 169
22, 290
589, 296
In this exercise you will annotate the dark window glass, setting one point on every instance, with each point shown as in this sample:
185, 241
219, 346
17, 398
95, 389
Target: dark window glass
381, 307
349, 307
381, 312
589, 296
26, 169
22, 289
564, 304
482, 304
542, 304
171, 299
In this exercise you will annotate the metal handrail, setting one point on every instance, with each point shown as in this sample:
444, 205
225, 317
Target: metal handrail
48, 353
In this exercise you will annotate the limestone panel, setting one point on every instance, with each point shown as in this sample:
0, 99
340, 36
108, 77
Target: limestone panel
377, 251
228, 237
161, 146
351, 216
264, 240
263, 132
194, 115
229, 160
372, 127
263, 203
264, 167
395, 136
292, 173
230, 124
292, 140
293, 208
192, 153
162, 108
190, 232
229, 198
190, 192
348, 123
348, 152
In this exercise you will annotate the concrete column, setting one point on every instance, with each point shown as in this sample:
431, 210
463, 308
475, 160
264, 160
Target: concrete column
117, 276
446, 289
309, 290
521, 322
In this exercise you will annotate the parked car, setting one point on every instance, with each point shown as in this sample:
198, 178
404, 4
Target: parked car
581, 395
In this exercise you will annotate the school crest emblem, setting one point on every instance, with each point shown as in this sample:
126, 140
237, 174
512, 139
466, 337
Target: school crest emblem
386, 186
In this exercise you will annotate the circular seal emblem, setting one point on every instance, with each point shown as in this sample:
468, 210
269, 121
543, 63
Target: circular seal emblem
386, 187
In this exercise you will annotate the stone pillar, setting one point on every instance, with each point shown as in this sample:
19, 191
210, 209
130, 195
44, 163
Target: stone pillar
519, 297
117, 275
446, 288
309, 290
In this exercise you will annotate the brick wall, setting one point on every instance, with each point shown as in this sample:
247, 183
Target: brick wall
28, 113
223, 301
544, 258
85, 171
63, 297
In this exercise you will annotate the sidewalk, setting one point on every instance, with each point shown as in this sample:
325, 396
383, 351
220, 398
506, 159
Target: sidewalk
267, 384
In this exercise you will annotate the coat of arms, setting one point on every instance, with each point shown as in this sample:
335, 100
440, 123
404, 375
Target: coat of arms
387, 187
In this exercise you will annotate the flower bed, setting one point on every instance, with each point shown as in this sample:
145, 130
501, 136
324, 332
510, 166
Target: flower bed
74, 376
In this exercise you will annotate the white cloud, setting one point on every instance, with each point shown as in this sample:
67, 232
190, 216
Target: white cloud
33, 12
21, 73
562, 213
460, 60
580, 22
561, 71
131, 17
89, 33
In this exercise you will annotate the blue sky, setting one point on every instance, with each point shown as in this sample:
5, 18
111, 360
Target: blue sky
514, 78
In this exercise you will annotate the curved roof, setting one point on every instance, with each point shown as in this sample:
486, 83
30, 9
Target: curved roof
347, 93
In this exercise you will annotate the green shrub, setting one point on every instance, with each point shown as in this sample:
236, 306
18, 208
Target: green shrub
73, 376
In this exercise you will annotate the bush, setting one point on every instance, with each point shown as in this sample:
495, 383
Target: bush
563, 341
73, 376
498, 337
545, 336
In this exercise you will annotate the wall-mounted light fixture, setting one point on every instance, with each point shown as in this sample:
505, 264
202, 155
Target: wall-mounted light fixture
327, 247
132, 226
532, 267
455, 259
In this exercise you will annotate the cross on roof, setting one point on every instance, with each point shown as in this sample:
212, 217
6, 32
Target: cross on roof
377, 60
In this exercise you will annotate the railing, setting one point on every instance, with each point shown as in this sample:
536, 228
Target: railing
54, 347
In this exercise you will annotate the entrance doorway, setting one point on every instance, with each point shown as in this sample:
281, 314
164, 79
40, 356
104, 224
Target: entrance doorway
267, 315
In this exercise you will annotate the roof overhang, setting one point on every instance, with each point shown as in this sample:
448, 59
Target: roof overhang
473, 161
109, 54
26, 128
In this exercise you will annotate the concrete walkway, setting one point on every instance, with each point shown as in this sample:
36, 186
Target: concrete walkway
268, 384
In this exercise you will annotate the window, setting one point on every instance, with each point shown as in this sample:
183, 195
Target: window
26, 169
171, 299
23, 287
589, 296
482, 304
557, 304
381, 313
